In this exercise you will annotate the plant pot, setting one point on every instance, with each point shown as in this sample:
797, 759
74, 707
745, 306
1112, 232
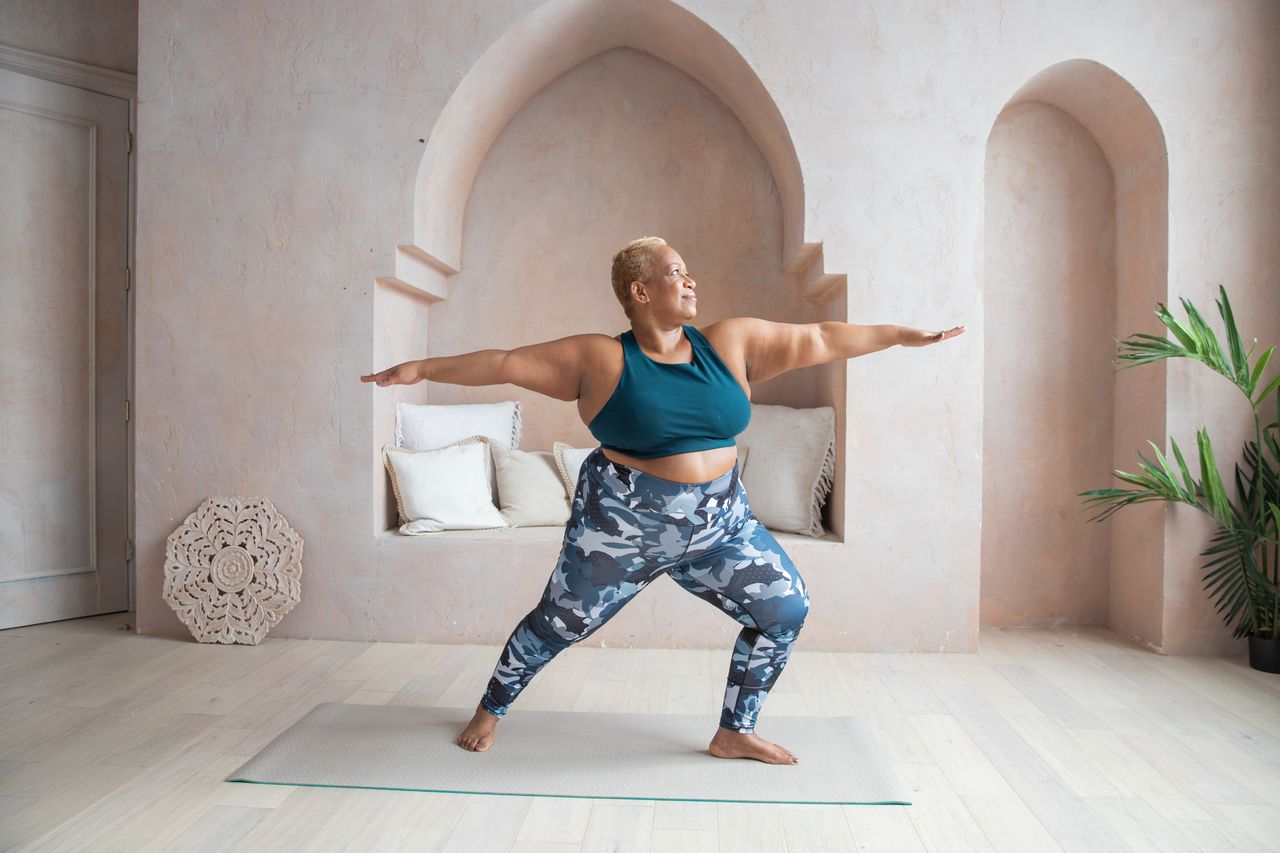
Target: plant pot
1264, 653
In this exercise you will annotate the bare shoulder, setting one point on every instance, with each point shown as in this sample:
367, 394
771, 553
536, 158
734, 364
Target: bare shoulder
595, 342
733, 333
740, 337
570, 346
766, 348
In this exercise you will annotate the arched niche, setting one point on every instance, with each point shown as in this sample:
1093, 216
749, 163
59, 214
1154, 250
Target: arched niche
537, 51
1076, 256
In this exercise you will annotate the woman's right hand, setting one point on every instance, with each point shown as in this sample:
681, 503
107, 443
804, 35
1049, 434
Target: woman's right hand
402, 374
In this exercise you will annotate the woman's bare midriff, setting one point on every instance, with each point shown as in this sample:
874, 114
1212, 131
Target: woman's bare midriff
699, 466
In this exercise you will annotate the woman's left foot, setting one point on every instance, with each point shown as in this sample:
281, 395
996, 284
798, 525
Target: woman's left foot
731, 744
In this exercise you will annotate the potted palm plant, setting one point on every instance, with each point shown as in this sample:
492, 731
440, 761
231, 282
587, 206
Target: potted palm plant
1243, 570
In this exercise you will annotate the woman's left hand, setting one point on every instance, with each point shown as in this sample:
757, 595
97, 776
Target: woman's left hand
920, 338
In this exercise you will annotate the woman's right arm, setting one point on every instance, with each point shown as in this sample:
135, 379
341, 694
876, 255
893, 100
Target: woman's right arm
553, 368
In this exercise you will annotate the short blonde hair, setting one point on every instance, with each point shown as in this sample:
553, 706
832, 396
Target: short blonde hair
635, 262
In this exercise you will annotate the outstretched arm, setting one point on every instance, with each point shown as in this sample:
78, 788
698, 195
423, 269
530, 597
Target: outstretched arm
774, 348
553, 368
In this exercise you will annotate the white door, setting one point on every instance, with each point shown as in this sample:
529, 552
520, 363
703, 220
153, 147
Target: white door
64, 456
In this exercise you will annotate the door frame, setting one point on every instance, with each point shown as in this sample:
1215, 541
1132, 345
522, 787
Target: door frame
118, 84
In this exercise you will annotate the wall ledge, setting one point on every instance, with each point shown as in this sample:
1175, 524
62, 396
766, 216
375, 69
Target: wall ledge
515, 535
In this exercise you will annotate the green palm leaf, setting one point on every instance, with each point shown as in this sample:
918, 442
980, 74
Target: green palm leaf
1263, 361
1239, 361
1241, 590
1197, 340
1193, 488
1215, 495
1271, 386
1157, 483
1210, 351
1184, 337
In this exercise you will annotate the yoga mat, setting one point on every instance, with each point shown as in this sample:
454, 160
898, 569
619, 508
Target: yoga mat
573, 754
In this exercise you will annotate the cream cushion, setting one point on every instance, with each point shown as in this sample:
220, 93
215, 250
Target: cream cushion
530, 491
443, 489
569, 463
792, 465
426, 426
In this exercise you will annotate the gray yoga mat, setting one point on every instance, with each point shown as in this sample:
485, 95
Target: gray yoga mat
573, 754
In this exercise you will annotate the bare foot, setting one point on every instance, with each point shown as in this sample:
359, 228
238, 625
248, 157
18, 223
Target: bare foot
478, 735
730, 744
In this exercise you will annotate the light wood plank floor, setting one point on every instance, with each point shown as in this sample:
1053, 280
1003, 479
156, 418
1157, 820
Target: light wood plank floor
1046, 739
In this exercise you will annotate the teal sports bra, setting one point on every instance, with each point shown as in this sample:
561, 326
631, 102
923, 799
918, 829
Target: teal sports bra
658, 409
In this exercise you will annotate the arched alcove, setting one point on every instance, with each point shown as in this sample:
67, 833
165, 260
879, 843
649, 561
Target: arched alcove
1076, 256
538, 51
623, 144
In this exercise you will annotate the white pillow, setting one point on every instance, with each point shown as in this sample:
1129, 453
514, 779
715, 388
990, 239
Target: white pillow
792, 465
530, 492
569, 462
428, 426
443, 489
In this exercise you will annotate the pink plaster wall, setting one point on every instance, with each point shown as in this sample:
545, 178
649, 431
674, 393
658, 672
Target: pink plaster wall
1047, 401
278, 151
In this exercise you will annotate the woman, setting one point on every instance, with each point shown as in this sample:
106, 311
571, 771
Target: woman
661, 495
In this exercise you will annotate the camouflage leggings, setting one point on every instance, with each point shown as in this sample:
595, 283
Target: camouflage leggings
628, 528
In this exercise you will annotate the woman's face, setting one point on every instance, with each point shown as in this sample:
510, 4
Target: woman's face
670, 289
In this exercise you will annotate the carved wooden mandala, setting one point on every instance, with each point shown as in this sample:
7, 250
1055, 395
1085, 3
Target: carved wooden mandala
233, 570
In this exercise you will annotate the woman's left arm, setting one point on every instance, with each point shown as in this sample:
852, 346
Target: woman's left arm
772, 349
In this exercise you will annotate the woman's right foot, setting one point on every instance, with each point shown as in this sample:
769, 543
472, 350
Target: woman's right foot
478, 735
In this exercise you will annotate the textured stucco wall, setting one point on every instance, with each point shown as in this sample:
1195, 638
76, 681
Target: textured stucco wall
1050, 283
95, 32
278, 148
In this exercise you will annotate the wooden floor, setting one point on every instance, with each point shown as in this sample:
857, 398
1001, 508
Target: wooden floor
1046, 739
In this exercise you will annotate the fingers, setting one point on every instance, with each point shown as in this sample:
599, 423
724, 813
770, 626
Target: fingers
935, 337
401, 374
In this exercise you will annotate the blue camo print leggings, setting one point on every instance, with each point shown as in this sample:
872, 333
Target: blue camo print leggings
628, 528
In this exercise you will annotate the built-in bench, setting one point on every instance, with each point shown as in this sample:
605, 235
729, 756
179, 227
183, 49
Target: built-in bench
473, 586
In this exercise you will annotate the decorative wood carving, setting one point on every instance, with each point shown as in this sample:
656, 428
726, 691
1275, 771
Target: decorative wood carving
233, 569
